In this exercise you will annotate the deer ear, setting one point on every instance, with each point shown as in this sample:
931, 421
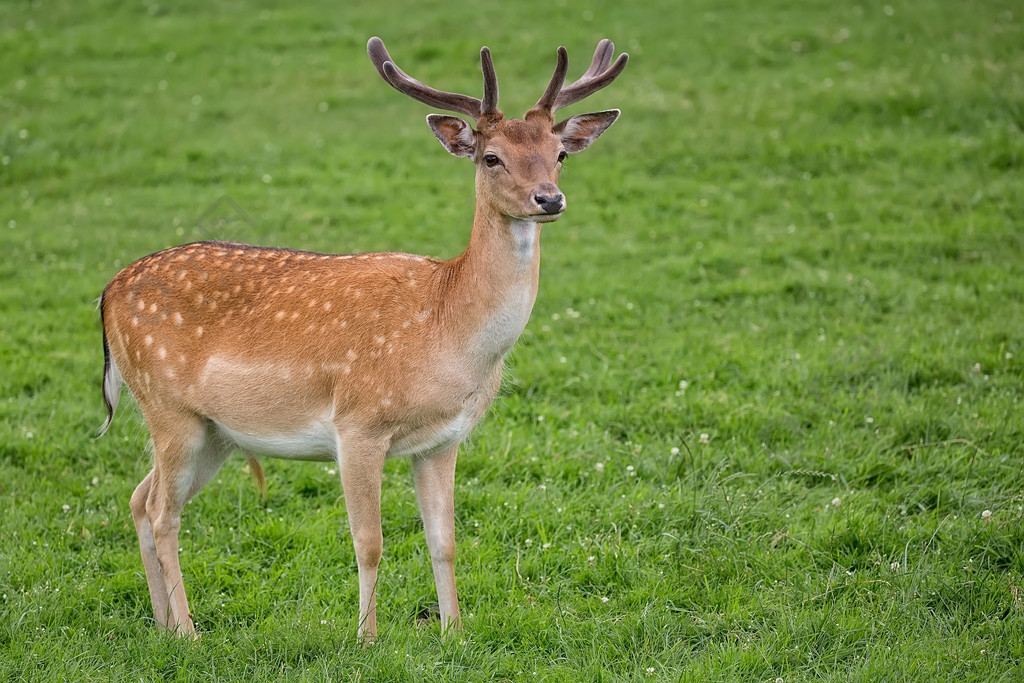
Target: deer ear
577, 132
456, 135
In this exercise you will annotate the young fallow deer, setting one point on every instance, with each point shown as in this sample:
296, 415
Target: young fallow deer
344, 358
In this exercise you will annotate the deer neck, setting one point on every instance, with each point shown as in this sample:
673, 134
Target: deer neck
493, 284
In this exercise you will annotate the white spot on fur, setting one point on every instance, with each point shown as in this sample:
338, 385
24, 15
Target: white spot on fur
199, 331
178, 319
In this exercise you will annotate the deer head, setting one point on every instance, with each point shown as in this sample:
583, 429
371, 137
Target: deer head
517, 160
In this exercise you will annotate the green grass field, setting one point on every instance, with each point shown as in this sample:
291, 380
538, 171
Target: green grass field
765, 423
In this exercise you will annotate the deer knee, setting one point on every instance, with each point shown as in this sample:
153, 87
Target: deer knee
442, 547
369, 548
166, 526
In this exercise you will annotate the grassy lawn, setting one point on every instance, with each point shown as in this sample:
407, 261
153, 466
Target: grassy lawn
766, 421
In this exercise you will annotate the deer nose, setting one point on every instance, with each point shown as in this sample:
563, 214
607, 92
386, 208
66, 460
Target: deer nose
550, 201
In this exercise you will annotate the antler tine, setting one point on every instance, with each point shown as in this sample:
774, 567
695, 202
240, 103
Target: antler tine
602, 57
547, 100
404, 83
597, 76
489, 104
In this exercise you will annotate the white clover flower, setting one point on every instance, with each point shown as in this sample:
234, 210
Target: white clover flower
599, 467
705, 439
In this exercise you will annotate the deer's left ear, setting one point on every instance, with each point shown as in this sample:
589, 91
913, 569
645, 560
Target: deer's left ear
456, 135
577, 132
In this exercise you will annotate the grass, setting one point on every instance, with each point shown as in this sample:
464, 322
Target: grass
764, 424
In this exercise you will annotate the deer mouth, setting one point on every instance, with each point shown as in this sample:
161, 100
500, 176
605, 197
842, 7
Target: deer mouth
542, 217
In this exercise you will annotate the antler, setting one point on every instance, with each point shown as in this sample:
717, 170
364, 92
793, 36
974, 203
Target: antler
404, 83
597, 76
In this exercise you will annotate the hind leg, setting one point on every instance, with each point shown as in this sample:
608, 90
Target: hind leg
186, 455
147, 544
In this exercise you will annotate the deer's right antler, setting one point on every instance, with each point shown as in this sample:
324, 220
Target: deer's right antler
449, 101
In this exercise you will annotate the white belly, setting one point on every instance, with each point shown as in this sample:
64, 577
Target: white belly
319, 441
315, 441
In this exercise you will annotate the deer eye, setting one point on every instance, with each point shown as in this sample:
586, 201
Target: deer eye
562, 156
491, 160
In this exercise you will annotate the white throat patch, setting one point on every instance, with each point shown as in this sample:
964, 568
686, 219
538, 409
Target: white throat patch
525, 234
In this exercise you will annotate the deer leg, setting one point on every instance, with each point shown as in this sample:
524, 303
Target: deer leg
147, 545
361, 465
435, 489
184, 461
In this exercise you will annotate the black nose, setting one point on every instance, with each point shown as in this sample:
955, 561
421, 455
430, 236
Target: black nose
550, 203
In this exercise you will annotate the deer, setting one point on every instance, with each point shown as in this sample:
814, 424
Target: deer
344, 358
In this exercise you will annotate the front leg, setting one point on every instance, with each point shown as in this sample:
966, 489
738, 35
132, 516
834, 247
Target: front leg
361, 463
435, 487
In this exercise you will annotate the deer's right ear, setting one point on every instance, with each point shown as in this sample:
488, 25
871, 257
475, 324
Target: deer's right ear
454, 133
